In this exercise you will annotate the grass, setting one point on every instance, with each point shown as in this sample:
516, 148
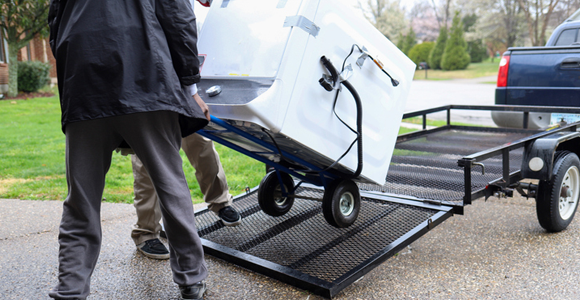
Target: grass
474, 70
32, 158
32, 164
435, 123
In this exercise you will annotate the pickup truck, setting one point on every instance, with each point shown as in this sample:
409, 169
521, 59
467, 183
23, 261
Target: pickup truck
541, 76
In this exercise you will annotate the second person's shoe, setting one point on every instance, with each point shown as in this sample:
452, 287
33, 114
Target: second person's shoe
229, 216
154, 248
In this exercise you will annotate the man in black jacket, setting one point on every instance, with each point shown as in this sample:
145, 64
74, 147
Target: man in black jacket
126, 75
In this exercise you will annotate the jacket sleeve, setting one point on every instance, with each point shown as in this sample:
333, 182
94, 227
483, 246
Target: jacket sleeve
54, 16
178, 22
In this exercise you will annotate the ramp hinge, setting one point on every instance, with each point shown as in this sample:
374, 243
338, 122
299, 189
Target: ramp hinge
430, 201
302, 22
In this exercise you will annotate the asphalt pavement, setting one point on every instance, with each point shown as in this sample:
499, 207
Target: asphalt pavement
496, 250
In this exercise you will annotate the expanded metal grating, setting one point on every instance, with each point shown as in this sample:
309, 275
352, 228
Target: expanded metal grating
426, 167
303, 242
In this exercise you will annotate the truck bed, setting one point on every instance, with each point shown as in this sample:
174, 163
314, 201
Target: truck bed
541, 76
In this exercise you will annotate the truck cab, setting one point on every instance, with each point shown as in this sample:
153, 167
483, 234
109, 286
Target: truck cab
566, 34
542, 76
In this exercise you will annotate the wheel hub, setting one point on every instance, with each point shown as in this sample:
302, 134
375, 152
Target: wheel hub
278, 198
346, 203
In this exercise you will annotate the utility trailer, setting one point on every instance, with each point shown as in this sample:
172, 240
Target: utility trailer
434, 173
272, 78
454, 165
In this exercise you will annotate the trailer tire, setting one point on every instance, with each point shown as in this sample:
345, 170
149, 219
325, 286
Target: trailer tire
558, 198
270, 196
341, 203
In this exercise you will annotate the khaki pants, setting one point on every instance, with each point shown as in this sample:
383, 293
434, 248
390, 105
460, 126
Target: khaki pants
210, 176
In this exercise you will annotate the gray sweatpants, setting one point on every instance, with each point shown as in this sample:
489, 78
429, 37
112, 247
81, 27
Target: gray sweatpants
156, 139
210, 176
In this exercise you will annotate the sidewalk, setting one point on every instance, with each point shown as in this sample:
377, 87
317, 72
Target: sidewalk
496, 250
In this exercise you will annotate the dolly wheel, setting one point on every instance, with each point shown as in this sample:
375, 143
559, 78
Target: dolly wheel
270, 196
557, 199
341, 203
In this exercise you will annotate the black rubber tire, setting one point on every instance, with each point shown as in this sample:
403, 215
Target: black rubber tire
345, 191
550, 202
270, 194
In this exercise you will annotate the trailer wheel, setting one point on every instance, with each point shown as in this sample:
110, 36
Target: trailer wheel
341, 203
558, 199
270, 197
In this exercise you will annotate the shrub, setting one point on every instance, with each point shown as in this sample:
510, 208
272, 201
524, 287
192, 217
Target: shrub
455, 56
437, 51
32, 75
420, 52
477, 51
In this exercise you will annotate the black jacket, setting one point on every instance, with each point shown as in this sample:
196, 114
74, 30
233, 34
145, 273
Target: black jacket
118, 57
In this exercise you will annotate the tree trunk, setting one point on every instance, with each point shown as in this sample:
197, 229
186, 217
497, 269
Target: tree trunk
12, 70
547, 17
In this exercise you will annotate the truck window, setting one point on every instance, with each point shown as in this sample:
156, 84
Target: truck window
567, 37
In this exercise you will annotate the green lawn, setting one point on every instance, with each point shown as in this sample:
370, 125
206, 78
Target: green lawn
32, 156
474, 70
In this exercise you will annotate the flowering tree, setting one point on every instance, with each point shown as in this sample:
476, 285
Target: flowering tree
386, 15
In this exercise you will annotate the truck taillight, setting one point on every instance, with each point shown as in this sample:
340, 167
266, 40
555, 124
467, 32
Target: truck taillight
503, 71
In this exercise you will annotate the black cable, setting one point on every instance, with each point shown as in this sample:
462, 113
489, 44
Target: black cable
394, 82
273, 141
335, 77
328, 65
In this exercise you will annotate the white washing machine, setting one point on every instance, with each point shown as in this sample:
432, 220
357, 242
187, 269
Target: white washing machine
261, 73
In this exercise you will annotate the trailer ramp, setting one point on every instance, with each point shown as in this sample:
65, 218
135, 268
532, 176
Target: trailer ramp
303, 250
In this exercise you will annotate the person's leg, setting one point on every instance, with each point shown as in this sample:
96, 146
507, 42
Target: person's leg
146, 205
209, 172
89, 148
145, 232
157, 141
211, 177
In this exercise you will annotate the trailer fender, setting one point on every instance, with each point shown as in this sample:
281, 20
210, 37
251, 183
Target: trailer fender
538, 161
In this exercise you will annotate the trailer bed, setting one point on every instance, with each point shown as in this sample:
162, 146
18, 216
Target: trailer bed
425, 167
301, 249
433, 174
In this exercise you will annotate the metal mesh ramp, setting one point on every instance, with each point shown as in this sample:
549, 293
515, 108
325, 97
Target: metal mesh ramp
301, 249
426, 167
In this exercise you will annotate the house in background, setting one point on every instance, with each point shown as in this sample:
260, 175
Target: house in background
3, 65
38, 49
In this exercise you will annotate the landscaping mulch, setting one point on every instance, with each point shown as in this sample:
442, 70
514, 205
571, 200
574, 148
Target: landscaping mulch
24, 96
